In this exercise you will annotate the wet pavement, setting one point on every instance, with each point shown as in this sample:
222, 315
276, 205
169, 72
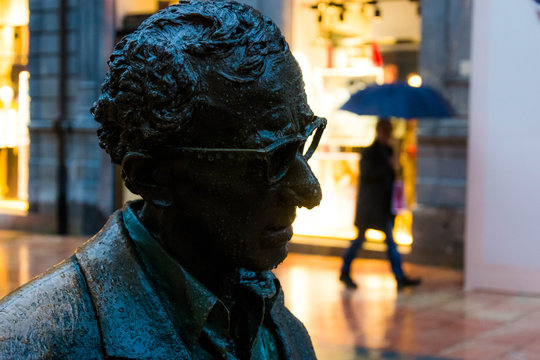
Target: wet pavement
436, 320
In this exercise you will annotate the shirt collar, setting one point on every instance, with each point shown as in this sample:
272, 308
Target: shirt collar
189, 302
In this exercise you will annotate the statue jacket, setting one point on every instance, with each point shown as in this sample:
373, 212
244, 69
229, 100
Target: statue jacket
101, 304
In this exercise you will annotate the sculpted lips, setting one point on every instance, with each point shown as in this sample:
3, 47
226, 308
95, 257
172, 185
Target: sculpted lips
279, 234
276, 237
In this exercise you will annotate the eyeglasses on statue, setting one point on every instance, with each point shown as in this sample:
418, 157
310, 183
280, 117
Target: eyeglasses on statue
278, 156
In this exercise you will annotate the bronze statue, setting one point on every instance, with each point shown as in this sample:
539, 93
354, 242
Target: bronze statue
205, 110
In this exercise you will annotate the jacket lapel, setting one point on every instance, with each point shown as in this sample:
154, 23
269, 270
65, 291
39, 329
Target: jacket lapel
133, 321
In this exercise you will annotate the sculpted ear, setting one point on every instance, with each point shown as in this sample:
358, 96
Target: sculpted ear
150, 178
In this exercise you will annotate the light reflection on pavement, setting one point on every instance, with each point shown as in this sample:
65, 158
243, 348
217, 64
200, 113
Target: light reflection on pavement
434, 321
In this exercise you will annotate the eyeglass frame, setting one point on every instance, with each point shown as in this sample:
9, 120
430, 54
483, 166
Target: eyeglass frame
317, 127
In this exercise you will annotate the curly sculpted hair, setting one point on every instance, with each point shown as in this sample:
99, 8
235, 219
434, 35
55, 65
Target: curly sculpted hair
156, 78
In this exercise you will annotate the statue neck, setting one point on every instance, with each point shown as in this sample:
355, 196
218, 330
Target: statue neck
186, 246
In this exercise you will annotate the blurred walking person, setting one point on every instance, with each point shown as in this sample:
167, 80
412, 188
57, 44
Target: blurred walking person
374, 204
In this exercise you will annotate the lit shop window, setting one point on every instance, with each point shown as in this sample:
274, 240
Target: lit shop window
342, 47
14, 105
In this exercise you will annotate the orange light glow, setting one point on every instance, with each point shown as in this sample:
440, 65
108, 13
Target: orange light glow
13, 206
375, 235
24, 264
414, 80
403, 228
6, 96
403, 238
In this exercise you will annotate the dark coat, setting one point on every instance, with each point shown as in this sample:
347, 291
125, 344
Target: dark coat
100, 304
374, 202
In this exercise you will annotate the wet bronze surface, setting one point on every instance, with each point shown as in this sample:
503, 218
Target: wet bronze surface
204, 109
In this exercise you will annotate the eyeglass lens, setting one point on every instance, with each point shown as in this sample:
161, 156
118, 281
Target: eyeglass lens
282, 158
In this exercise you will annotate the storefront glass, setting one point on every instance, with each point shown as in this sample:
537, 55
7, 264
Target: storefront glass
14, 105
343, 46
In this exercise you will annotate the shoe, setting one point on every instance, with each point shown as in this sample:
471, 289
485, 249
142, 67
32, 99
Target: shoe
346, 279
407, 281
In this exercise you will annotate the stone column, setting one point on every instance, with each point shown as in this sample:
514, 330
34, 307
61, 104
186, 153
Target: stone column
91, 172
90, 32
438, 220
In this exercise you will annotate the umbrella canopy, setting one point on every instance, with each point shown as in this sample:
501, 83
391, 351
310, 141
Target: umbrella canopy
399, 100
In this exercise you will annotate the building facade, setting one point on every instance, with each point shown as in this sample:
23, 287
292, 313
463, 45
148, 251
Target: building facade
73, 187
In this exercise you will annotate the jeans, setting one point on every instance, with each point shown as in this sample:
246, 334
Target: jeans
391, 249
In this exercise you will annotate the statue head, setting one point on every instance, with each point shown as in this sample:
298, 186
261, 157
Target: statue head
204, 107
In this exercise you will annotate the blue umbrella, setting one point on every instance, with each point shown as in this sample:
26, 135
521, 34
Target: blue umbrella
399, 100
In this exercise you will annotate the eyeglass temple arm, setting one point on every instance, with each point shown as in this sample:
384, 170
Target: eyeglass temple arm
316, 139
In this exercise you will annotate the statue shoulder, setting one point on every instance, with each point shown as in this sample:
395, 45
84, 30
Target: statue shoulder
50, 317
292, 332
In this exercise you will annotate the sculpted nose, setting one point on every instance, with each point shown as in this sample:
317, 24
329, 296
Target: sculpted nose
301, 187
